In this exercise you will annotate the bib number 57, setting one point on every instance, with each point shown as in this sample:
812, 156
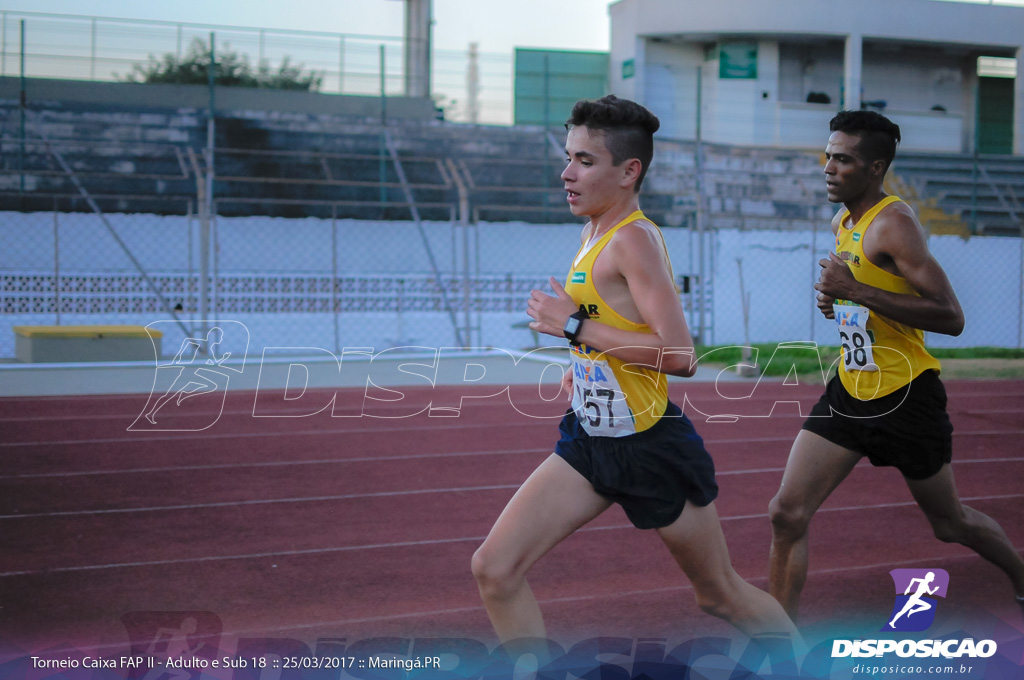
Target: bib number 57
597, 405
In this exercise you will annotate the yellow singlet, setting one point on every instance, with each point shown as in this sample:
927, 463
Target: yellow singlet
611, 398
879, 355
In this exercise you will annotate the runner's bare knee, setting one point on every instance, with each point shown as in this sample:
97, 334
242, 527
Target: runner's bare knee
496, 579
789, 520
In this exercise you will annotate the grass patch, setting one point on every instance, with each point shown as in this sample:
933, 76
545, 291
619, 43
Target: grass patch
977, 353
773, 359
778, 360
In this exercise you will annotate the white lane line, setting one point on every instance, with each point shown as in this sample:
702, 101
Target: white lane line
377, 494
547, 422
405, 544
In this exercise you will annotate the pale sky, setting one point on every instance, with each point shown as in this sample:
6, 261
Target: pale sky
496, 26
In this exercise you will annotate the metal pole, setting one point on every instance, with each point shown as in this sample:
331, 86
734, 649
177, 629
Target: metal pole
190, 255
1020, 293
206, 199
56, 263
464, 226
335, 309
382, 149
92, 50
383, 89
698, 163
23, 100
547, 125
341, 64
974, 166
215, 241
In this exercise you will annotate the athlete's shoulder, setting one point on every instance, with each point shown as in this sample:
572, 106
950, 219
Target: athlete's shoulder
898, 210
897, 217
640, 234
897, 232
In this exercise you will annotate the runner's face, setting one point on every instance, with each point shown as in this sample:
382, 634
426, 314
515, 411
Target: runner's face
847, 174
592, 183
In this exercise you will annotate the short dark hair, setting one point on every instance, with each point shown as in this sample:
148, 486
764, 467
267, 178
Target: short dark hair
878, 135
628, 127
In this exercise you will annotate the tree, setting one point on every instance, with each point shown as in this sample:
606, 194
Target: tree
231, 70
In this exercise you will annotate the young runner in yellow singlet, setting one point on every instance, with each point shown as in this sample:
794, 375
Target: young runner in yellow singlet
623, 441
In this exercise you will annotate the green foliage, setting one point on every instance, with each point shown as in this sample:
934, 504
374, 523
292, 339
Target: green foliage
977, 353
231, 70
805, 363
784, 358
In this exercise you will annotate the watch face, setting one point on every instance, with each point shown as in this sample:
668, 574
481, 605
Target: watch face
572, 325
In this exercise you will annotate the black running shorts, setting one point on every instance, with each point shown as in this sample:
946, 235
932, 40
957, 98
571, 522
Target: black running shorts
908, 429
651, 474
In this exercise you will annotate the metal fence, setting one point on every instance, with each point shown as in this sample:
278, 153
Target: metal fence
745, 228
36, 45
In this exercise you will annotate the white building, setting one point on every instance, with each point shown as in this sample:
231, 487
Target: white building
757, 62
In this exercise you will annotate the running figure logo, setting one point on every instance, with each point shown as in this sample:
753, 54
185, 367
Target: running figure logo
200, 367
186, 638
916, 590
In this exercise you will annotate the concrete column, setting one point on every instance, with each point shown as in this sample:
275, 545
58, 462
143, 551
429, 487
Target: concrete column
852, 67
1018, 105
418, 28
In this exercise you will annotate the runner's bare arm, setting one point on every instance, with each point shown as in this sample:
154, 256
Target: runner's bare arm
640, 260
897, 237
823, 301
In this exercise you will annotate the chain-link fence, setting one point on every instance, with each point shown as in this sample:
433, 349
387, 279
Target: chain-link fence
332, 250
299, 284
36, 45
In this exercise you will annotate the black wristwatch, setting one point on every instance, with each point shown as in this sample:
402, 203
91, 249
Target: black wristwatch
573, 325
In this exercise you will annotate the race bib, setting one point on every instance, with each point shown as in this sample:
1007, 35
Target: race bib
852, 321
597, 399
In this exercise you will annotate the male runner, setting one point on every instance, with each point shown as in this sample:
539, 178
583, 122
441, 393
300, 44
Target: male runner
622, 441
916, 602
884, 289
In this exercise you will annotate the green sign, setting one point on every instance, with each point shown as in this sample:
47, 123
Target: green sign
737, 60
628, 69
549, 82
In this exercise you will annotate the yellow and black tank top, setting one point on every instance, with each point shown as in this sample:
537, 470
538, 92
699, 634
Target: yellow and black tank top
611, 398
878, 355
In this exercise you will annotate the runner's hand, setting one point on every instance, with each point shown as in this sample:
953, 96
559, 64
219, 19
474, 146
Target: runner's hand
567, 382
549, 313
825, 305
836, 279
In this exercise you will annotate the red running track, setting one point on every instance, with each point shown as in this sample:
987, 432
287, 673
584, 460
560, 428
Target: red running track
318, 527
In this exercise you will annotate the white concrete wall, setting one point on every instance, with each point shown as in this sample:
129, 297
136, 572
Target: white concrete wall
779, 269
913, 54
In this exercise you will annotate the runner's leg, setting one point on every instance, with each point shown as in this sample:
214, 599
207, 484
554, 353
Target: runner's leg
954, 522
698, 545
551, 504
815, 468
